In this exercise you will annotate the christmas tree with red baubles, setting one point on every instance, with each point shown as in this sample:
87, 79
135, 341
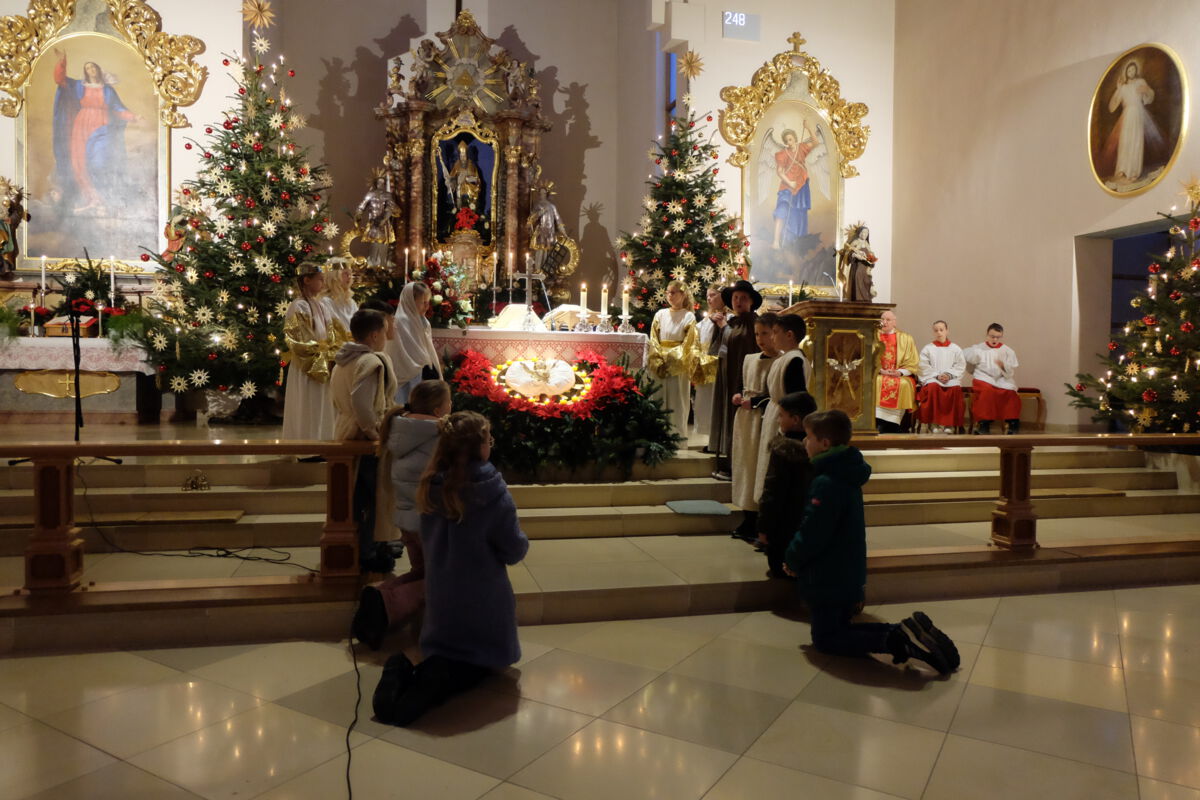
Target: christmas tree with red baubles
1151, 380
685, 233
238, 232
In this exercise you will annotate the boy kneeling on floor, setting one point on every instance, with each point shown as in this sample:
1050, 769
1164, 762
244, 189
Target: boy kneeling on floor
828, 557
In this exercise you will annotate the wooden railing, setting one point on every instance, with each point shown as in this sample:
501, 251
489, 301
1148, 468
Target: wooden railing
1014, 521
54, 555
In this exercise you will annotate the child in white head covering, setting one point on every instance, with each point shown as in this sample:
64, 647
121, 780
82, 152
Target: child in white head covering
411, 346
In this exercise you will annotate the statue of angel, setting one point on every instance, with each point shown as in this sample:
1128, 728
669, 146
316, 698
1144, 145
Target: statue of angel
422, 69
374, 217
854, 263
790, 168
544, 225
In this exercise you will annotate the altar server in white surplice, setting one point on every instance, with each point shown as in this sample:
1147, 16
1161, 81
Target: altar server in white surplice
940, 398
748, 423
673, 353
313, 335
705, 375
786, 376
994, 389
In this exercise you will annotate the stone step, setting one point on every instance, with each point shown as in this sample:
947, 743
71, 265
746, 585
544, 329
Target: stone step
273, 473
262, 499
923, 513
891, 461
882, 498
141, 517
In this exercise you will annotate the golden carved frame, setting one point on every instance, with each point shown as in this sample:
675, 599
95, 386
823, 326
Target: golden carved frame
177, 78
746, 105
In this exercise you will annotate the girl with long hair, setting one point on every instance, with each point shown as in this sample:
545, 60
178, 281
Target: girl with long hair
471, 534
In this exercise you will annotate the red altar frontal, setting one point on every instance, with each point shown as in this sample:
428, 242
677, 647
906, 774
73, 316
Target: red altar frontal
499, 346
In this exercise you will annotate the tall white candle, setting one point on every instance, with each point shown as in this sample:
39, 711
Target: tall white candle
625, 300
583, 297
43, 274
112, 281
495, 273
604, 298
789, 292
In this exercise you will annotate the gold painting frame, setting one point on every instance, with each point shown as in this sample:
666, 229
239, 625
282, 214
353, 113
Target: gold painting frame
169, 60
796, 77
1175, 117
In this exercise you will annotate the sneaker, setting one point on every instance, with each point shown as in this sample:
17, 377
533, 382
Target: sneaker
722, 476
370, 618
940, 646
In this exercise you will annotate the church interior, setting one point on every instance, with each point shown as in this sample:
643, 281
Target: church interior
620, 238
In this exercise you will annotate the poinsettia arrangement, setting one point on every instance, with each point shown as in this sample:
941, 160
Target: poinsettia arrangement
41, 314
610, 416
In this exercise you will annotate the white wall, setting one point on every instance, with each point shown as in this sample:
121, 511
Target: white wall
853, 39
217, 23
992, 176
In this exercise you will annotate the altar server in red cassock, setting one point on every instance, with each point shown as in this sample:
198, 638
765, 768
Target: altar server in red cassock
942, 367
995, 391
896, 362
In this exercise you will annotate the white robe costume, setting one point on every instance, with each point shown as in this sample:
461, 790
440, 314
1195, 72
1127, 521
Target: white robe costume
307, 411
747, 430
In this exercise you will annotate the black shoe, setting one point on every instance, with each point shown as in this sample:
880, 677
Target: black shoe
379, 559
939, 650
722, 476
1012, 427
983, 428
397, 675
370, 619
898, 645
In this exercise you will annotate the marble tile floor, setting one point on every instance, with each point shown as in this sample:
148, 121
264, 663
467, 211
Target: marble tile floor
1084, 695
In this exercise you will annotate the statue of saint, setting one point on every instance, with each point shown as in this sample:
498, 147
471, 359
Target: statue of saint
463, 179
374, 218
545, 225
14, 214
854, 263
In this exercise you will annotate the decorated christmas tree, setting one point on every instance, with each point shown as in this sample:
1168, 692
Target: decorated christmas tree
685, 233
237, 235
1151, 382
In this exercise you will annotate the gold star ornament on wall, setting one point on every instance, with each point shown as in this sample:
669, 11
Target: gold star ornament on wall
691, 65
258, 13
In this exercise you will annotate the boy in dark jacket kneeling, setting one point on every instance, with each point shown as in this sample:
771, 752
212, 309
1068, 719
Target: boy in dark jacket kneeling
828, 556
785, 489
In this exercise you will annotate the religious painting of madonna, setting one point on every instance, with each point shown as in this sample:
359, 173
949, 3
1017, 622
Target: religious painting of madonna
465, 166
91, 151
1138, 120
792, 194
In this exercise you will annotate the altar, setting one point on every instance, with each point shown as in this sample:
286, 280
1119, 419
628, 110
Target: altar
37, 376
499, 345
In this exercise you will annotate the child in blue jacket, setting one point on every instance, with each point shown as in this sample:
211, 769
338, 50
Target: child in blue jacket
828, 556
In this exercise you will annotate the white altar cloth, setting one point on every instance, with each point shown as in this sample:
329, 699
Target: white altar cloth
54, 352
567, 345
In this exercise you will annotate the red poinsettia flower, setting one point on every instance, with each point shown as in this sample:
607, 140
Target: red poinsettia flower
465, 220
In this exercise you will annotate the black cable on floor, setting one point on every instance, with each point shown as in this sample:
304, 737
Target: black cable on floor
353, 722
284, 558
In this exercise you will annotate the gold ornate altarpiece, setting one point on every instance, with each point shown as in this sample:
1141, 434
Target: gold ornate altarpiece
168, 58
796, 76
468, 88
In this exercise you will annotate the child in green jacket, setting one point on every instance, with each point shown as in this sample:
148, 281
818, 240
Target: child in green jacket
828, 556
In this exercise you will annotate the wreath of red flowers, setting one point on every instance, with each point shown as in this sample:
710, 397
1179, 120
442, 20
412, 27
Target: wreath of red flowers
610, 385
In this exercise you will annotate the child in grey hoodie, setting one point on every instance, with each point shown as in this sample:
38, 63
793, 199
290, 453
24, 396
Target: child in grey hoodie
407, 439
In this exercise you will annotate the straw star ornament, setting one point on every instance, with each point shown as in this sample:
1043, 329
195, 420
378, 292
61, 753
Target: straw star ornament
258, 13
691, 65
